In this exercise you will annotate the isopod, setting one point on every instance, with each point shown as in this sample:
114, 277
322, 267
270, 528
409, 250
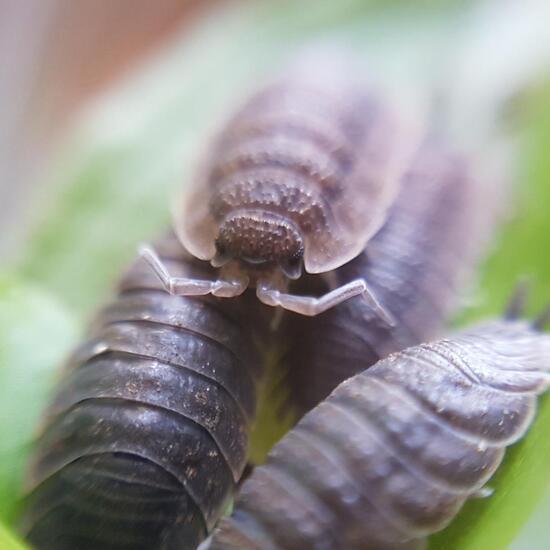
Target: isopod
301, 178
417, 264
147, 435
393, 453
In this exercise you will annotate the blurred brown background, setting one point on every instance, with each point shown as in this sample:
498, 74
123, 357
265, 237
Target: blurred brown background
54, 56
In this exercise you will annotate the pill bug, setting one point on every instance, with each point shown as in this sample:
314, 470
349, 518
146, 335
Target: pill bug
147, 435
417, 265
168, 500
302, 176
394, 452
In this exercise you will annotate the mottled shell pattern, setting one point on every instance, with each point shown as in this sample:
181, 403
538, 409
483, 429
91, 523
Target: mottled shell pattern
307, 169
393, 453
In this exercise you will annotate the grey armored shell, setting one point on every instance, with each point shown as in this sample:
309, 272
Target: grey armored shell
147, 435
393, 453
417, 265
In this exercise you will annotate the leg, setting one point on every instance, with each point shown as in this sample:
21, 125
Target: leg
307, 305
183, 286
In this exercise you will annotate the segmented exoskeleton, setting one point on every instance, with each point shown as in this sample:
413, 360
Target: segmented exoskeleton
417, 264
147, 435
394, 452
302, 176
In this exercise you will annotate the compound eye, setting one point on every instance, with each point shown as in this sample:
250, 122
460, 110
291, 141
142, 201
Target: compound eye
221, 257
292, 268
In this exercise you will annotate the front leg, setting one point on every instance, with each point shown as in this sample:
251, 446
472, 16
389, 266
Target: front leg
184, 286
310, 306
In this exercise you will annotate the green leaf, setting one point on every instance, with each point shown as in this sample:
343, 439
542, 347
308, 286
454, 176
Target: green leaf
8, 541
35, 334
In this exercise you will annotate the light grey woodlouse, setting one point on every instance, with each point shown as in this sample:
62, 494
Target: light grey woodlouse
302, 177
393, 453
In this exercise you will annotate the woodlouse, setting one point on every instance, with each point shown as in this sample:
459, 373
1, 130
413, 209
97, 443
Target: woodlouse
302, 176
394, 452
123, 395
147, 436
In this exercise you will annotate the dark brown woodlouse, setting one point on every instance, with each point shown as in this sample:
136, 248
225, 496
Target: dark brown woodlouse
147, 435
393, 453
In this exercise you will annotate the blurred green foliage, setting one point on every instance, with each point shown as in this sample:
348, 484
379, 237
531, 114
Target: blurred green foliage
8, 541
131, 154
35, 332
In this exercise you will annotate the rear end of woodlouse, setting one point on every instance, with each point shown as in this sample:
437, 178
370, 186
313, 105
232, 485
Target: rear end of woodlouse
417, 265
393, 453
147, 436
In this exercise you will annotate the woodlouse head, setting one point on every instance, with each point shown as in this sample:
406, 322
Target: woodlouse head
260, 238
